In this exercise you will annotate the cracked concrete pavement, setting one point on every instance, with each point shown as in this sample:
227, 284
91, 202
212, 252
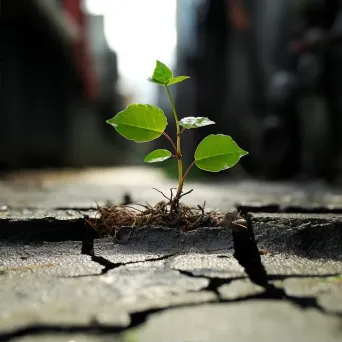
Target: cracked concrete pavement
165, 285
50, 286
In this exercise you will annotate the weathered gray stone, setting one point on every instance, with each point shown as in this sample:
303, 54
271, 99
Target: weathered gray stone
42, 225
30, 214
240, 288
308, 235
159, 240
150, 285
50, 284
331, 302
327, 290
225, 266
157, 299
58, 259
30, 300
291, 264
255, 320
208, 265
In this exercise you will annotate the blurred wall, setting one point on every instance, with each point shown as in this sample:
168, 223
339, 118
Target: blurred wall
53, 96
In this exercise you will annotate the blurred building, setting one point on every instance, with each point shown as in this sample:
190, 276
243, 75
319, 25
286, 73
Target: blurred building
269, 74
58, 86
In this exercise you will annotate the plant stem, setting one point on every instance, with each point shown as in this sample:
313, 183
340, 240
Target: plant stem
187, 171
171, 141
178, 147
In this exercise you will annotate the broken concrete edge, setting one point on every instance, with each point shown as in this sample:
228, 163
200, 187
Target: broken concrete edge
69, 225
312, 235
290, 209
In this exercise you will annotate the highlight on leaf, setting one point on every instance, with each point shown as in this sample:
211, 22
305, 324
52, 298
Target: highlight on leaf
218, 152
140, 122
195, 122
157, 156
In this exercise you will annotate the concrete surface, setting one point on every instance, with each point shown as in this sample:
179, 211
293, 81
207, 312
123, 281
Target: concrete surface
83, 189
165, 285
49, 288
255, 320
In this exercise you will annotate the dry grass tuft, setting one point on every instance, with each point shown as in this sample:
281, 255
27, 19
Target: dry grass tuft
112, 218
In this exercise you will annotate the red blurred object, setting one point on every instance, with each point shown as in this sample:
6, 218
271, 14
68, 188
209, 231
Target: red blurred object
81, 53
238, 15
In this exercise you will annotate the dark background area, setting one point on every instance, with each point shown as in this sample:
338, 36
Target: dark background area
268, 73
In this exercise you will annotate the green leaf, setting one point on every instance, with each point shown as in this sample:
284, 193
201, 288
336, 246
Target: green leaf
177, 79
192, 122
151, 79
218, 152
157, 156
140, 122
161, 74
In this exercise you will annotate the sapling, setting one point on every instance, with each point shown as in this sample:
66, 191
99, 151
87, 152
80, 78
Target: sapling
144, 122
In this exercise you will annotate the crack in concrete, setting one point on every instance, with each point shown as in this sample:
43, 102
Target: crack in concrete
246, 253
59, 329
214, 282
139, 318
271, 292
109, 265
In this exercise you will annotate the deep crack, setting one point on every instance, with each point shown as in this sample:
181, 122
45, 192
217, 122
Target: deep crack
214, 282
247, 253
139, 318
59, 329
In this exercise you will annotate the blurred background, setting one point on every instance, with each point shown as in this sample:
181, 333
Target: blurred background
268, 72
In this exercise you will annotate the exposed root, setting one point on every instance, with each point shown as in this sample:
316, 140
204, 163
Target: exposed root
171, 214
112, 218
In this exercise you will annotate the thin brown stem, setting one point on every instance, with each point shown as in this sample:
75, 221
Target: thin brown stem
181, 132
171, 141
186, 193
188, 170
162, 194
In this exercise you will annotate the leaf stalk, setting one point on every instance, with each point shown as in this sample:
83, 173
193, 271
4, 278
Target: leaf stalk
178, 148
171, 141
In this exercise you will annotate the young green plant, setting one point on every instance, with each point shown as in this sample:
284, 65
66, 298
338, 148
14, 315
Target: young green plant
144, 122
